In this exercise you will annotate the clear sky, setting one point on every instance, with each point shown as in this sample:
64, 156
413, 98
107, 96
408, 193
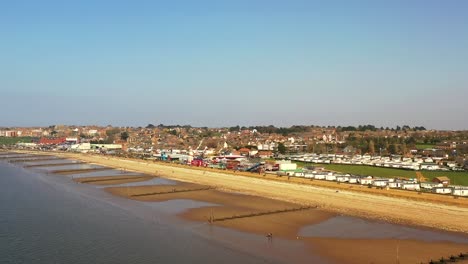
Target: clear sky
226, 63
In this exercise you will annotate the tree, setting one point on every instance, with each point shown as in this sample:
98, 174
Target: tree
112, 132
151, 126
281, 148
403, 149
371, 147
392, 149
124, 135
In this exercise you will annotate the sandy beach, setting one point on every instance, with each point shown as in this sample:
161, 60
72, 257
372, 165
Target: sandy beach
234, 194
288, 225
356, 203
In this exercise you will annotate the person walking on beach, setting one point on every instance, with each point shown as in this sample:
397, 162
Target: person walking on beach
270, 237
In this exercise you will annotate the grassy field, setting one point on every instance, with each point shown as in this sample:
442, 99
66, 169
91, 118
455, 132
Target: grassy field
424, 146
457, 178
14, 140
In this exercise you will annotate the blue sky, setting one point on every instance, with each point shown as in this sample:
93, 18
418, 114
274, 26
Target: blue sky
224, 63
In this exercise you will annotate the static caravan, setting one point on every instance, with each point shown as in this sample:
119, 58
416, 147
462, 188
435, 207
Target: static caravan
330, 177
299, 174
342, 178
442, 190
410, 186
380, 182
353, 179
319, 176
395, 184
430, 185
429, 166
366, 181
460, 191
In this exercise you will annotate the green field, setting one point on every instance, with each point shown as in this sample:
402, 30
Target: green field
424, 146
457, 178
14, 140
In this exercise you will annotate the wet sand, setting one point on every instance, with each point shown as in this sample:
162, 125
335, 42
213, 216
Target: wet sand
357, 251
288, 225
285, 224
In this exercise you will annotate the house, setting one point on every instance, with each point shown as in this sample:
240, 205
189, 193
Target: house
264, 154
244, 151
442, 179
52, 141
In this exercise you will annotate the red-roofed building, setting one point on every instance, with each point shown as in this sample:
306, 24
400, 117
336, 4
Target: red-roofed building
244, 151
264, 154
52, 141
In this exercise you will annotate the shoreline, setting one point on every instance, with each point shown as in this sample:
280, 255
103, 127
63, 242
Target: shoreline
237, 195
353, 203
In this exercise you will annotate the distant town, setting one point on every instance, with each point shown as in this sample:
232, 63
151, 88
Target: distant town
298, 151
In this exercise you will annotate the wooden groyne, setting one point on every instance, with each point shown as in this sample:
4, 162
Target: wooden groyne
173, 191
213, 219
34, 159
17, 157
53, 164
77, 171
114, 179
